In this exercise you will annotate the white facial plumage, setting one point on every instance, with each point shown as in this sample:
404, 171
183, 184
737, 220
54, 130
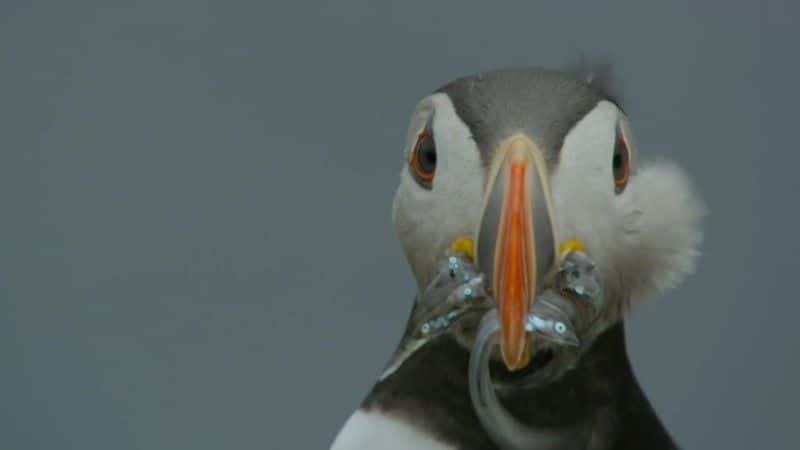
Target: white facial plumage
643, 238
427, 220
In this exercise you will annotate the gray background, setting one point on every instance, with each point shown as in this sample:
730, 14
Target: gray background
196, 243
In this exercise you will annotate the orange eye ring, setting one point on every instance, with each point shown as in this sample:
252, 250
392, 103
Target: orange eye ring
423, 158
621, 163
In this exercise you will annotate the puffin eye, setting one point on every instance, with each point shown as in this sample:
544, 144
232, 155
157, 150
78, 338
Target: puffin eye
621, 163
423, 158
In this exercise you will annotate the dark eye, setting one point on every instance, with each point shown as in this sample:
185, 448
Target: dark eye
621, 163
423, 158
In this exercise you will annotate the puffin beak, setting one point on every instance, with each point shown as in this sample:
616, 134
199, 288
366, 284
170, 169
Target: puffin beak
516, 239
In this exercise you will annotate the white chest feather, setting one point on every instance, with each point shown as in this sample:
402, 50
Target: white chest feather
376, 431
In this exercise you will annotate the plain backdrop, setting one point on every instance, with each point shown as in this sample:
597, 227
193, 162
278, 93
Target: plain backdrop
196, 249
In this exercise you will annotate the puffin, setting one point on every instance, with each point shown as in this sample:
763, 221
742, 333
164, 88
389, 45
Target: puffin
528, 183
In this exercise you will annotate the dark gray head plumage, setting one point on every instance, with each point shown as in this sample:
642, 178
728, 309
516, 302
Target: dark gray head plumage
543, 104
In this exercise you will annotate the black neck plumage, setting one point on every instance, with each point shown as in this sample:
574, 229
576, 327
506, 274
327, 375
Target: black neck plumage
430, 390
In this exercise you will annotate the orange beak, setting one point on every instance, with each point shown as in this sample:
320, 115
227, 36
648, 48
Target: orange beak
516, 241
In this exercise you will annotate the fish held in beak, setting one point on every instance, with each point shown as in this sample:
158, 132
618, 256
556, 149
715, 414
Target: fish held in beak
516, 240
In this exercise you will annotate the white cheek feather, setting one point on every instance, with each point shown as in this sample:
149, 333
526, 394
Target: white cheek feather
426, 221
661, 229
643, 240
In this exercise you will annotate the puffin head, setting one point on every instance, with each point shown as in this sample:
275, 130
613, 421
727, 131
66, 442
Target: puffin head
525, 159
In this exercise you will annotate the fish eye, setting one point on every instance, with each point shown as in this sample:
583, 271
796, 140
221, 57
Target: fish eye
560, 328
